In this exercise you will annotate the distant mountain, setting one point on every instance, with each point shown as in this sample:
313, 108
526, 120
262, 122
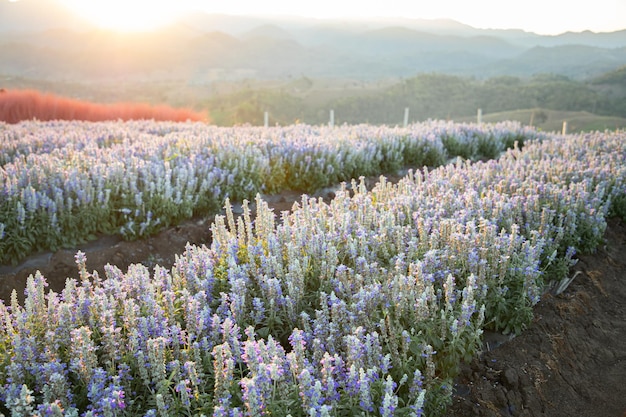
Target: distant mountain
40, 39
404, 41
600, 40
268, 31
37, 15
576, 61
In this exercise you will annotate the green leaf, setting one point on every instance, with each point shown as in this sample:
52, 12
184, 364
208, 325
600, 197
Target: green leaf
263, 332
415, 348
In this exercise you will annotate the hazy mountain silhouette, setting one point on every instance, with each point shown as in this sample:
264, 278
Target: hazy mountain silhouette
575, 61
41, 39
268, 31
37, 15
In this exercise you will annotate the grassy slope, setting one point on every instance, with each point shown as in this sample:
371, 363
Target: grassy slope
577, 121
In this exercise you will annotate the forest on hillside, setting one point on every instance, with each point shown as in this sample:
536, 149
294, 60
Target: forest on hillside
428, 96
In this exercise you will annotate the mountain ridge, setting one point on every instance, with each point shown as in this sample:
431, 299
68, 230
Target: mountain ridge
51, 43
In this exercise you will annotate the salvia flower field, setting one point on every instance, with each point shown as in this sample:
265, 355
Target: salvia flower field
65, 182
365, 305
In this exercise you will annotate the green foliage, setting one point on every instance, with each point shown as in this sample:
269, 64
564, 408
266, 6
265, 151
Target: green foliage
428, 96
618, 207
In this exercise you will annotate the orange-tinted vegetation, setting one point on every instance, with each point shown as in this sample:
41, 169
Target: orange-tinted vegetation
17, 105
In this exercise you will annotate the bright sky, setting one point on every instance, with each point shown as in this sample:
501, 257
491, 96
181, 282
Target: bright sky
540, 16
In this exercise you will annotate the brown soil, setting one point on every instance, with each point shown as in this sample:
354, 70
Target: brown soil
571, 361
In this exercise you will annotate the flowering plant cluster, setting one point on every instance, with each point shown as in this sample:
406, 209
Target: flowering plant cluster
362, 306
62, 183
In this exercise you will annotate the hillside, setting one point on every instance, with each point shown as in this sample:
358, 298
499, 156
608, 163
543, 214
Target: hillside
552, 120
588, 105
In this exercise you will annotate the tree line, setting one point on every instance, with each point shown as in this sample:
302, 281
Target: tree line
429, 96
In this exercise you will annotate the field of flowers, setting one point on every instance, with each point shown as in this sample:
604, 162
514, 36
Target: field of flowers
66, 182
362, 306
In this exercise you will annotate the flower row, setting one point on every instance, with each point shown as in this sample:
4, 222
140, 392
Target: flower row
62, 183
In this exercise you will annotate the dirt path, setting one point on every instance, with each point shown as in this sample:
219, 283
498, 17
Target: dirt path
570, 362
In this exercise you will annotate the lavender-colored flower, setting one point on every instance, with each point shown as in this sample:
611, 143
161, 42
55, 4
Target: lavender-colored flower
224, 366
390, 400
366, 378
252, 396
83, 354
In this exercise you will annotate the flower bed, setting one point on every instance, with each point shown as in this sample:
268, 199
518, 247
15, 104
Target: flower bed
63, 183
365, 305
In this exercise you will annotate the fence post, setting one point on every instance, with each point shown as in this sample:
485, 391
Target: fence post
266, 119
564, 127
406, 116
331, 123
479, 116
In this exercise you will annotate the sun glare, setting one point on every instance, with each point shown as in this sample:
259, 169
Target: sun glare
125, 15
534, 15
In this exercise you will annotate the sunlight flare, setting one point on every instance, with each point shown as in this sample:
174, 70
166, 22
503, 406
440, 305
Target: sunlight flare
125, 15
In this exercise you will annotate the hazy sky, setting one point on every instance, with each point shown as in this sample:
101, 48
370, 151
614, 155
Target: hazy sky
540, 16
